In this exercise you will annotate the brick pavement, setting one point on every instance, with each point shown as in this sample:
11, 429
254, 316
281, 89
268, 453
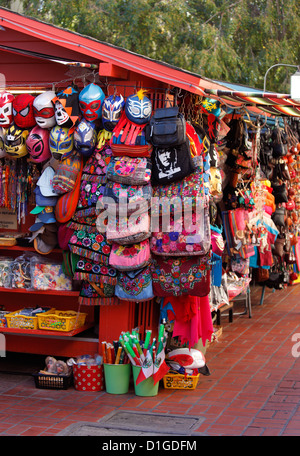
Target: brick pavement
253, 389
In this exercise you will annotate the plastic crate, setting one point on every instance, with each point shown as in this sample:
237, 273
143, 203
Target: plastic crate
179, 381
23, 321
48, 381
61, 320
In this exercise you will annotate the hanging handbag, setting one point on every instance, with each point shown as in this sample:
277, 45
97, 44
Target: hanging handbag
128, 230
90, 245
262, 274
171, 163
280, 193
129, 170
279, 246
184, 236
130, 257
166, 127
278, 216
186, 190
135, 285
93, 271
278, 149
181, 276
116, 196
66, 174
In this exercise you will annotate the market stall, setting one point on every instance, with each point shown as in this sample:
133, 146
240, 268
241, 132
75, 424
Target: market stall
135, 195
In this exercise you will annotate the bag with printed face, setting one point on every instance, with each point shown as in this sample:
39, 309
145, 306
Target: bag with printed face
170, 164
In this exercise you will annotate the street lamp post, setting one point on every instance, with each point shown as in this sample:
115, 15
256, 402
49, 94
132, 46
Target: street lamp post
295, 80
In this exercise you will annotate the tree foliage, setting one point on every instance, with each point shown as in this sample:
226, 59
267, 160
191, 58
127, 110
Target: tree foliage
229, 40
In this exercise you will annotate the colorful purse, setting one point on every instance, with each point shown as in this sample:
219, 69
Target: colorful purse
89, 194
92, 294
96, 166
65, 176
115, 195
187, 190
135, 285
81, 221
128, 230
94, 272
181, 276
130, 257
90, 245
129, 170
187, 235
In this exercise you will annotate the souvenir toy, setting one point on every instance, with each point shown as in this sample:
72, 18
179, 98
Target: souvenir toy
85, 137
66, 107
6, 113
23, 111
61, 143
90, 102
37, 144
43, 109
15, 141
190, 359
111, 111
138, 108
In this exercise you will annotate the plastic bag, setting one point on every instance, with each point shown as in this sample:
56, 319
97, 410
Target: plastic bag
5, 271
48, 275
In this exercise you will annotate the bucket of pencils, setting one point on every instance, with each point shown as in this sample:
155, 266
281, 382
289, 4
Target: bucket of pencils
117, 368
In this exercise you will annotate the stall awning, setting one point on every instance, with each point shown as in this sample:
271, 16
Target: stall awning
275, 104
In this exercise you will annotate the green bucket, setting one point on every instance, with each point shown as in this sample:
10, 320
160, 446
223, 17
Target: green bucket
117, 378
146, 387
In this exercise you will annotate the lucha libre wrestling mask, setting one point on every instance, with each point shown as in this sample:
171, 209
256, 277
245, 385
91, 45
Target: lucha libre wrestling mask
23, 111
111, 111
66, 108
85, 137
61, 143
212, 106
138, 108
15, 141
38, 144
90, 102
6, 111
43, 109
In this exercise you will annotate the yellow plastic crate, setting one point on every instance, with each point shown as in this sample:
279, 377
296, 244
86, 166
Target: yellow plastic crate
22, 321
179, 381
61, 320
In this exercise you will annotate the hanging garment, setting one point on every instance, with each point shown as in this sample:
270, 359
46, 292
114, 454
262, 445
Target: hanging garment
192, 319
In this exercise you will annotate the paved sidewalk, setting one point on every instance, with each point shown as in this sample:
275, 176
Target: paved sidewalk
253, 389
